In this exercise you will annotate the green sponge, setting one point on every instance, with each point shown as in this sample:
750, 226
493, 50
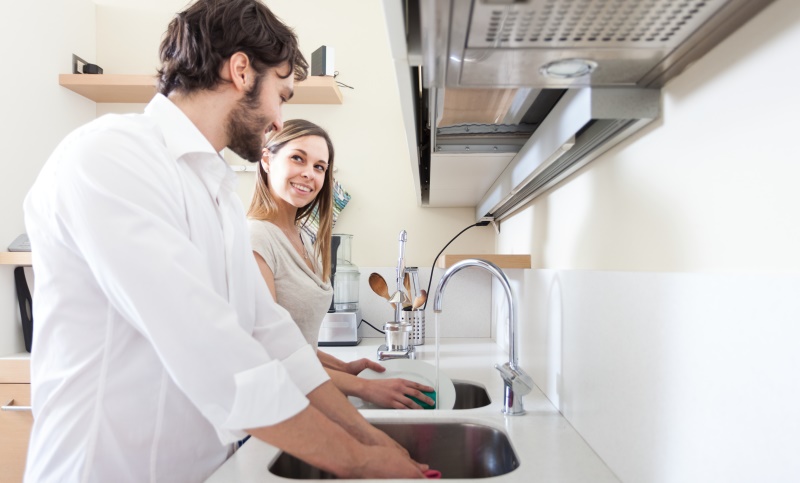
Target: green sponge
425, 405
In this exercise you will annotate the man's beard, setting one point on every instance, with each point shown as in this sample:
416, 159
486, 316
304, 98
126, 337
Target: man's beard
245, 127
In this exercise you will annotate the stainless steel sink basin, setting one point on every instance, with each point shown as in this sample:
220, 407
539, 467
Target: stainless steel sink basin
458, 450
470, 396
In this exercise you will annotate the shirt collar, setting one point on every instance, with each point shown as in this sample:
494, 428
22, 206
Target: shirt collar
184, 140
180, 134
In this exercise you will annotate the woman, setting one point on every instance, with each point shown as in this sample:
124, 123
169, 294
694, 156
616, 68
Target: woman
295, 176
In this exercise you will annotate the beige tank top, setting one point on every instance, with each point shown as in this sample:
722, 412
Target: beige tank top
298, 289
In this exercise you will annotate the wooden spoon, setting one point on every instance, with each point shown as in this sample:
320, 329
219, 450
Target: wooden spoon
407, 295
420, 299
378, 285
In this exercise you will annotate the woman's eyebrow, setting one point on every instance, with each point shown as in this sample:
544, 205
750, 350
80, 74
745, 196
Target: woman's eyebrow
306, 155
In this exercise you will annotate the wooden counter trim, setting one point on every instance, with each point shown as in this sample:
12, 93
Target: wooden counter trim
502, 261
15, 371
15, 258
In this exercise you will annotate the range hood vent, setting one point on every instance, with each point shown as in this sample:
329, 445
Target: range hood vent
584, 124
494, 118
505, 43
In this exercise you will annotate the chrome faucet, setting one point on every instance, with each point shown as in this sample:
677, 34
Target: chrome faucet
517, 382
398, 331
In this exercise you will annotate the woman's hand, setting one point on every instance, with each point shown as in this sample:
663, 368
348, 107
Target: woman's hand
395, 393
355, 367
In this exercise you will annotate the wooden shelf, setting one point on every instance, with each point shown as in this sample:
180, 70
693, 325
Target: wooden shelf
15, 258
141, 88
502, 261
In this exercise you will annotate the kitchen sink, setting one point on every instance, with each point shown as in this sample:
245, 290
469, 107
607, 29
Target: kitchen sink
470, 396
457, 449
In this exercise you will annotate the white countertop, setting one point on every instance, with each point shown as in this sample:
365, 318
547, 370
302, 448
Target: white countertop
548, 448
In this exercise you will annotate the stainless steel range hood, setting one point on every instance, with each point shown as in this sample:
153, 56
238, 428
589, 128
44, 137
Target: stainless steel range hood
482, 108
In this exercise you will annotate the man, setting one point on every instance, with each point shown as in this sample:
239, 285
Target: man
157, 343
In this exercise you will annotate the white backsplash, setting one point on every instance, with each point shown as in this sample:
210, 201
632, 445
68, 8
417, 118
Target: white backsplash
670, 377
466, 307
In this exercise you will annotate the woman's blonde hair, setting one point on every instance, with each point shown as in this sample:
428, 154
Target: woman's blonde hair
263, 206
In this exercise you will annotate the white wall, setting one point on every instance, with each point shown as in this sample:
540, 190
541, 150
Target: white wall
122, 36
372, 158
662, 316
37, 40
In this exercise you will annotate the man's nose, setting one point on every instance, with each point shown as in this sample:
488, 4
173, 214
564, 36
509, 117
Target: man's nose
277, 125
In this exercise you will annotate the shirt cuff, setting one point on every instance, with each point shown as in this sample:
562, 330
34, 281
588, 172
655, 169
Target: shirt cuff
265, 396
272, 393
305, 369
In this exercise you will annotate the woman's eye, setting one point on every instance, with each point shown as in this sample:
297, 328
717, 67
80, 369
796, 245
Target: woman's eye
321, 167
297, 158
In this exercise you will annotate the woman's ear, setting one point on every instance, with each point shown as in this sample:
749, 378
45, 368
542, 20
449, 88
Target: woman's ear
265, 162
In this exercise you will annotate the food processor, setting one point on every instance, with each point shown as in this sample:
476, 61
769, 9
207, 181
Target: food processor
340, 325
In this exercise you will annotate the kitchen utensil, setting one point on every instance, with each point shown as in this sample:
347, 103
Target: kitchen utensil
397, 297
416, 319
335, 241
378, 285
419, 301
340, 325
346, 278
401, 270
407, 285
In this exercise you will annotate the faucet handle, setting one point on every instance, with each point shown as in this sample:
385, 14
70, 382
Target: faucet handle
521, 383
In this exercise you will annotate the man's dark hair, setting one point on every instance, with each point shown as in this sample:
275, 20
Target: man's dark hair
202, 37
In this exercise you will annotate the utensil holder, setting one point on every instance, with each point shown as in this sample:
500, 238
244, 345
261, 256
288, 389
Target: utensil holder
416, 318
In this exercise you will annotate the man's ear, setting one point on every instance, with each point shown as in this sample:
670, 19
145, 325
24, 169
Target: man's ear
238, 70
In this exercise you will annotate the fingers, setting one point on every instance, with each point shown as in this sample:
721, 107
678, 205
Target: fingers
417, 391
368, 364
355, 367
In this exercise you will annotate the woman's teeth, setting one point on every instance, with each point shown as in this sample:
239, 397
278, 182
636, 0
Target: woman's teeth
302, 188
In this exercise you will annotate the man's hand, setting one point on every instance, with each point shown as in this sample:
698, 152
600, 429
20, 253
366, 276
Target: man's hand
383, 462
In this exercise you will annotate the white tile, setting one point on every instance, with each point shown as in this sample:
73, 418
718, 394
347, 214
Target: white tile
466, 304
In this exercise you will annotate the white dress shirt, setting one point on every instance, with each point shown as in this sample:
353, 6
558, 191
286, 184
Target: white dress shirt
157, 341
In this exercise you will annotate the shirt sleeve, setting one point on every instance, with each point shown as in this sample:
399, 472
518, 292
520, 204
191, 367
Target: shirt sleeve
278, 333
121, 208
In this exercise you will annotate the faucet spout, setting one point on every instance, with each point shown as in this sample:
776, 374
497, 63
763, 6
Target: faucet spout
517, 382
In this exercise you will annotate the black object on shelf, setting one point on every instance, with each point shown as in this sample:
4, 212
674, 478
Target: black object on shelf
322, 61
25, 306
80, 66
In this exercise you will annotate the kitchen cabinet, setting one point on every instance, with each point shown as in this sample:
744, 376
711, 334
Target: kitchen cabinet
16, 418
126, 88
